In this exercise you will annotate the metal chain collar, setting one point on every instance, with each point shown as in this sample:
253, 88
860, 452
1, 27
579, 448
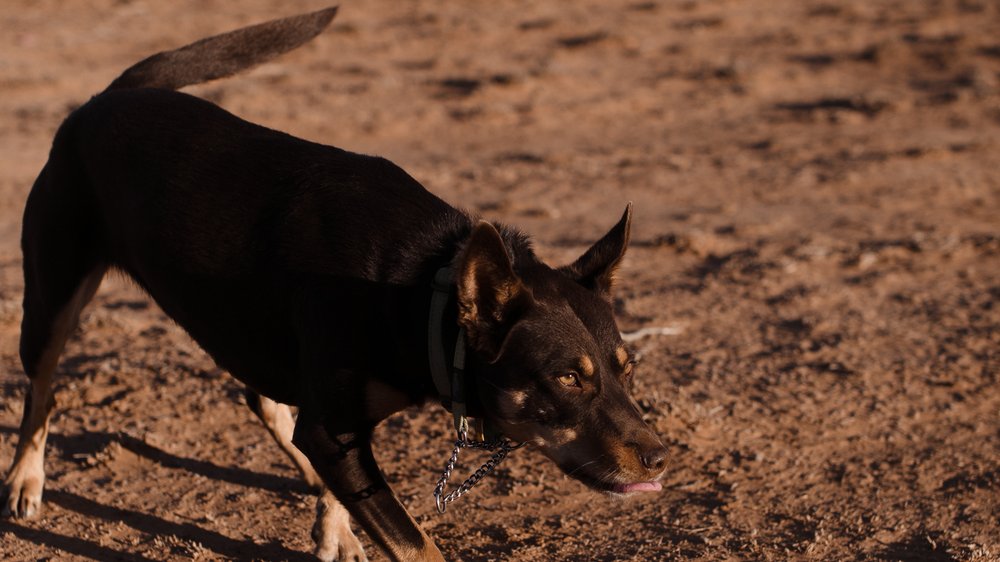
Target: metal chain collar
501, 448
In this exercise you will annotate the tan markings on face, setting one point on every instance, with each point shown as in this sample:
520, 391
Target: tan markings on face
622, 355
586, 366
510, 409
564, 445
563, 436
627, 458
557, 437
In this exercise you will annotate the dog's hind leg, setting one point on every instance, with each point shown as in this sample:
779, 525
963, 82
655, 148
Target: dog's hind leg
61, 274
332, 530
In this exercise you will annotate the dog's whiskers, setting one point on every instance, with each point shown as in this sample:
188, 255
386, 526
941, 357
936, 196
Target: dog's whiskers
584, 465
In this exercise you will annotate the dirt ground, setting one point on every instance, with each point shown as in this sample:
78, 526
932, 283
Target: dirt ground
817, 198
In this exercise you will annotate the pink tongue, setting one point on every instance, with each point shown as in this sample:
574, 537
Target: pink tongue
638, 487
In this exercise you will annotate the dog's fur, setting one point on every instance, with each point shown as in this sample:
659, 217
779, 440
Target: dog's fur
306, 272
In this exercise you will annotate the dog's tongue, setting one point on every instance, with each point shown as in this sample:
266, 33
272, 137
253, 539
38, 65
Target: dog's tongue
638, 487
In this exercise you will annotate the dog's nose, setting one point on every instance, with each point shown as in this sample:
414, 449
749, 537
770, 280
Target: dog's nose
654, 459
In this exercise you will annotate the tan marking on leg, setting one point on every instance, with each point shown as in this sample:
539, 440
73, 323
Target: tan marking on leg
332, 529
428, 552
332, 532
278, 420
24, 483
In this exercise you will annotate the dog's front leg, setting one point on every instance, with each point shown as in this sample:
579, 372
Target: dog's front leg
345, 462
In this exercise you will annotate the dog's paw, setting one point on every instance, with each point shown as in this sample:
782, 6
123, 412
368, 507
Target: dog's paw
345, 548
335, 542
22, 495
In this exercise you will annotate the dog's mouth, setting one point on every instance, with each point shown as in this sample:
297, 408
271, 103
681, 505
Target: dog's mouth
652, 486
620, 488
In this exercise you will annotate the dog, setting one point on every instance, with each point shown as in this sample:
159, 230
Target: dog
310, 274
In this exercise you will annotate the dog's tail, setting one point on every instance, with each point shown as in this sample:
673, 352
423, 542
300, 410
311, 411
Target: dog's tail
225, 54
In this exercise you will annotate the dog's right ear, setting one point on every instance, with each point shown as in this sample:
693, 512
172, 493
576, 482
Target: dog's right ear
491, 296
596, 268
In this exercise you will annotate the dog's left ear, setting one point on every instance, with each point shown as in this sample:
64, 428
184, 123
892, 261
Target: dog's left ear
491, 297
596, 268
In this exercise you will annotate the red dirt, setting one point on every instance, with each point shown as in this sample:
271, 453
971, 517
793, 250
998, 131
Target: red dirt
817, 199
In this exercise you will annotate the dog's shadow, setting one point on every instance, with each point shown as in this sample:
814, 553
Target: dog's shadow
91, 442
150, 524
88, 443
67, 544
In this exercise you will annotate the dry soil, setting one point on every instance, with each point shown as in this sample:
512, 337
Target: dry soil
817, 198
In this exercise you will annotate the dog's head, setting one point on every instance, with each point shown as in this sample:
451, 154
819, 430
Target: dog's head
550, 365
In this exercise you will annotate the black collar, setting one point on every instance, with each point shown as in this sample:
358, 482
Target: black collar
450, 382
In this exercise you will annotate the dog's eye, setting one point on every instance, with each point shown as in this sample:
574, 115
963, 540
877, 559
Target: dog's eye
569, 379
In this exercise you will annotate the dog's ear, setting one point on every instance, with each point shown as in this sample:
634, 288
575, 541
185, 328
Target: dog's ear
596, 268
491, 296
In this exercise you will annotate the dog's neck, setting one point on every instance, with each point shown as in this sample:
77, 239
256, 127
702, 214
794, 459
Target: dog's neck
405, 314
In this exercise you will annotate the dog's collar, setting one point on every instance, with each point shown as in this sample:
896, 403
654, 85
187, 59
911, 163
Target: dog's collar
450, 382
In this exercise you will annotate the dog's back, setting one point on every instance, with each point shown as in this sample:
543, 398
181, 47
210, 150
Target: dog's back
208, 212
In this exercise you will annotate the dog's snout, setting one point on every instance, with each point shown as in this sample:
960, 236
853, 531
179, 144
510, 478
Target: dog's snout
651, 454
654, 459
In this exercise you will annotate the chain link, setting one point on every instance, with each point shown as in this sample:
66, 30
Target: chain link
501, 448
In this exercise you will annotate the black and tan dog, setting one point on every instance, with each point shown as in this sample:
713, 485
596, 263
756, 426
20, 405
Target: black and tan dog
306, 271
